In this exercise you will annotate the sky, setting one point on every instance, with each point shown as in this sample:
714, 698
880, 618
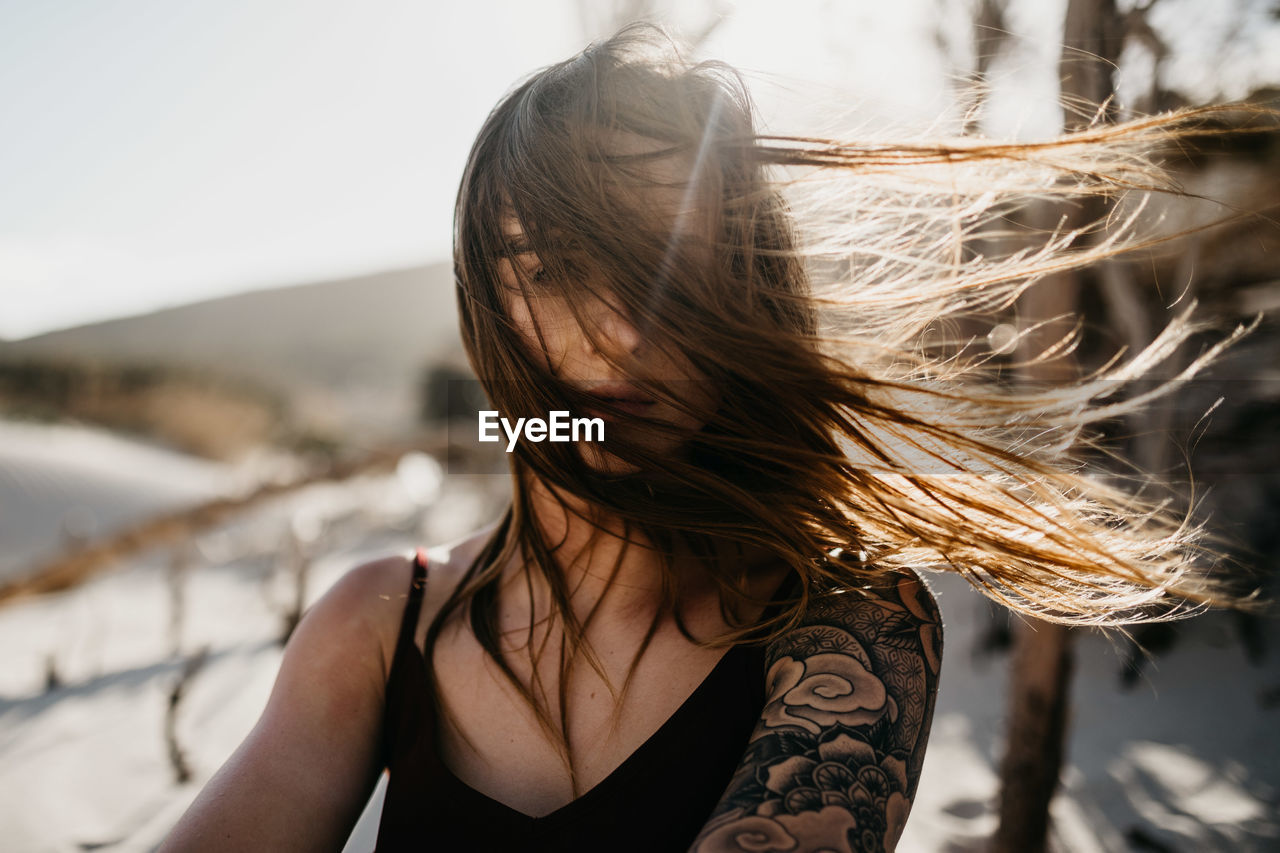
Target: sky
158, 152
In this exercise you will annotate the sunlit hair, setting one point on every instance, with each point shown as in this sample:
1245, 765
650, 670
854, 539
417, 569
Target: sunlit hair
803, 278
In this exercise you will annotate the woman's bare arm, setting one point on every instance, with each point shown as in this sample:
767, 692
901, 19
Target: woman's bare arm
302, 776
834, 762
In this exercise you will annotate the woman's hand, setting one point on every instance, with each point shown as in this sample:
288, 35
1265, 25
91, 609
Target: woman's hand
834, 762
302, 776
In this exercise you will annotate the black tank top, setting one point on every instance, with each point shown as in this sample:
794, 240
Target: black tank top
656, 800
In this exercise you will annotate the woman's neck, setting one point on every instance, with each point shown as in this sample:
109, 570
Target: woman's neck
614, 576
597, 551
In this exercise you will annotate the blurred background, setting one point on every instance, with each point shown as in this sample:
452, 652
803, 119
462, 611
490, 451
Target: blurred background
228, 343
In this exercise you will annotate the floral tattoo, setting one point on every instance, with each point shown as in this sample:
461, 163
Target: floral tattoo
834, 761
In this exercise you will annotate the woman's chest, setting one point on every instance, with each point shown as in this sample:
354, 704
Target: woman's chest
493, 738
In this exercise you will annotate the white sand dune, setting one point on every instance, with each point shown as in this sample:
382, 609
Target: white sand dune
1188, 759
59, 482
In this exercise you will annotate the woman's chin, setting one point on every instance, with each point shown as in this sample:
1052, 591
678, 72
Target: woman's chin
601, 460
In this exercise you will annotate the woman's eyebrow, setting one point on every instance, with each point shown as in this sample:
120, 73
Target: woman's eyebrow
515, 248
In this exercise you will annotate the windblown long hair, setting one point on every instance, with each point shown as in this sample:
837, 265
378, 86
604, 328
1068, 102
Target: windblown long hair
805, 281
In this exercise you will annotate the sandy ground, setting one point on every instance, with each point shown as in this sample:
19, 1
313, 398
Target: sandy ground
1187, 760
62, 482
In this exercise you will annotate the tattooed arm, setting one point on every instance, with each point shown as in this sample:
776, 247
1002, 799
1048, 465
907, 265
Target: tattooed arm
834, 762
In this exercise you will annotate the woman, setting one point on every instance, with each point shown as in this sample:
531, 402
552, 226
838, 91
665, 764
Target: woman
705, 631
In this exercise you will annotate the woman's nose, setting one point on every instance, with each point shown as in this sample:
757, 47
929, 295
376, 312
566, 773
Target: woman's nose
615, 328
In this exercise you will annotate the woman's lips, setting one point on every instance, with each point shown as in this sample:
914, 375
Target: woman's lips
623, 398
631, 407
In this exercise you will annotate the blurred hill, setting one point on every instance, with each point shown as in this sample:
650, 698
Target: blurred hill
346, 356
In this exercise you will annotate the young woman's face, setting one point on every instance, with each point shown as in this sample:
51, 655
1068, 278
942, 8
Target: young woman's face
550, 330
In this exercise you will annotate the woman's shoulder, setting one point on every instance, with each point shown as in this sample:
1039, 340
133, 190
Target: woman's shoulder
378, 591
899, 588
893, 609
447, 564
905, 588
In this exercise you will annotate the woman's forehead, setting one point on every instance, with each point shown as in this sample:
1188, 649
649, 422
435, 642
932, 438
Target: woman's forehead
512, 230
514, 239
656, 195
655, 174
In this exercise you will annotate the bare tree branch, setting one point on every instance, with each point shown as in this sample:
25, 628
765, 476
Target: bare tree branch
177, 757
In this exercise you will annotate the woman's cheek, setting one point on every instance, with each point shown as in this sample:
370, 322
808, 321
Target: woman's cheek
525, 319
546, 328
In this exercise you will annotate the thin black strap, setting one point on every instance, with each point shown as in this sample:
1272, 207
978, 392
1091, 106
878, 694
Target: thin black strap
400, 723
786, 591
409, 625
